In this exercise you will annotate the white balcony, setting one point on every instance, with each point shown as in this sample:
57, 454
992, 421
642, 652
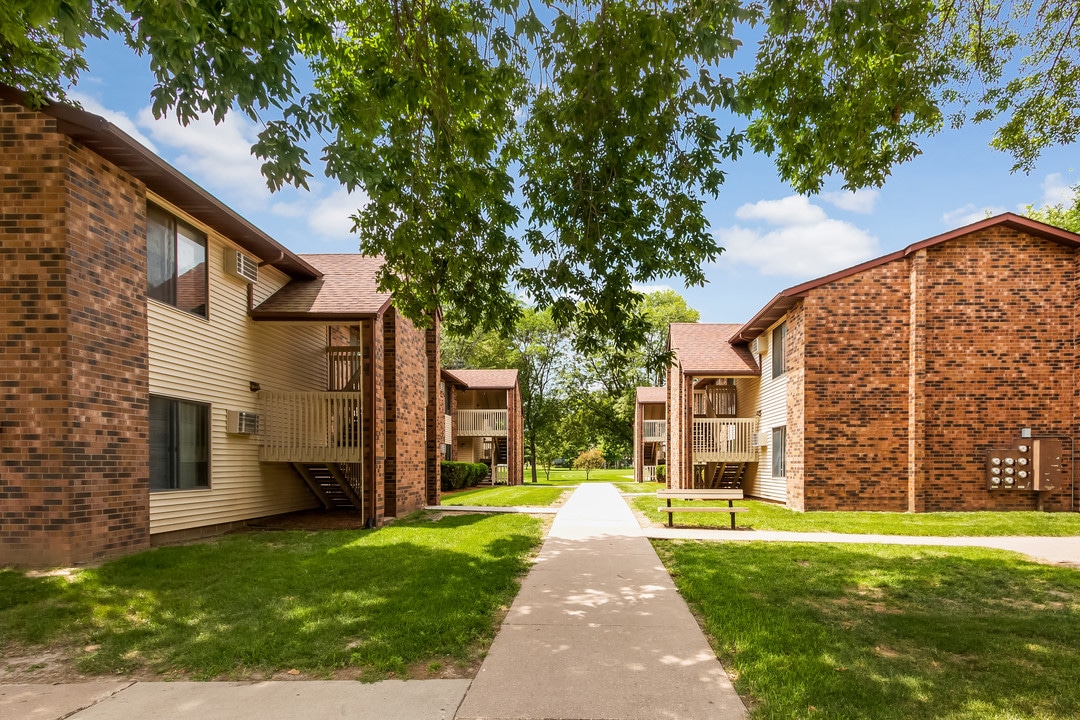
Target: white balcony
725, 440
654, 430
482, 423
311, 427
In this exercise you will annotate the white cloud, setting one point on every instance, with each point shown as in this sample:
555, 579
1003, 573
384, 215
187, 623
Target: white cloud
805, 241
118, 119
970, 213
860, 201
792, 210
1056, 191
330, 216
218, 156
653, 288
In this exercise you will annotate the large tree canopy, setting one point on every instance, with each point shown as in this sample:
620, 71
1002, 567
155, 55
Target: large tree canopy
566, 148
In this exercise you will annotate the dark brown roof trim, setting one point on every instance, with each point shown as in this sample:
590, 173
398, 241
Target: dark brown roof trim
119, 148
312, 317
786, 299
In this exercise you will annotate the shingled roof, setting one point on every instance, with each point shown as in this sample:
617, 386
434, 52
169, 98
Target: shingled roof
704, 349
483, 379
651, 395
347, 290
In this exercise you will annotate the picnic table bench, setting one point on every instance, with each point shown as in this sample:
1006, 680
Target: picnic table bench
722, 494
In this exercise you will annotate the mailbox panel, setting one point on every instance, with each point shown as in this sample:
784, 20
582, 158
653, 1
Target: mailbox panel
1047, 464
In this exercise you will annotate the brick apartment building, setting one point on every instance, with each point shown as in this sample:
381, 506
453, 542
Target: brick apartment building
888, 385
169, 370
484, 422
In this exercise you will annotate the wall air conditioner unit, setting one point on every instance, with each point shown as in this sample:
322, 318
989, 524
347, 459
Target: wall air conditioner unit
242, 266
242, 423
763, 438
760, 346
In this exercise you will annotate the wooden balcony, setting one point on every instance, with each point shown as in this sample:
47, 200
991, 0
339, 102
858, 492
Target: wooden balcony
725, 440
654, 430
344, 368
311, 427
482, 423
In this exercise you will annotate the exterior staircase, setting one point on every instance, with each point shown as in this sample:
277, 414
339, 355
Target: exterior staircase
332, 484
720, 475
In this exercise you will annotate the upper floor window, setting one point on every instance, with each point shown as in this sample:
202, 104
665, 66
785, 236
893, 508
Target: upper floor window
175, 262
779, 352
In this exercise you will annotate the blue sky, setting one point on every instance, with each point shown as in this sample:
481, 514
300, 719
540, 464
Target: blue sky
773, 237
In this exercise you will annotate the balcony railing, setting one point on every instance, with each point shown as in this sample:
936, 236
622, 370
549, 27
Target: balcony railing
716, 400
725, 440
483, 423
502, 475
311, 427
344, 366
654, 430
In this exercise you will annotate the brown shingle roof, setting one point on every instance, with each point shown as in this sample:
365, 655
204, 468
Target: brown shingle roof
346, 290
484, 379
786, 299
651, 395
704, 349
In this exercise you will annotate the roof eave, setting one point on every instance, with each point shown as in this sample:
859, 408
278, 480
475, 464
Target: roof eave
119, 148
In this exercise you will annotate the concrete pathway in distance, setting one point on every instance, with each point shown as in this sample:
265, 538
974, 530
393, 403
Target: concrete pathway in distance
1051, 550
598, 631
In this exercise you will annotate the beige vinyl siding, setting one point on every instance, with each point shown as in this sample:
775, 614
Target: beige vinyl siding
772, 401
213, 361
467, 450
747, 395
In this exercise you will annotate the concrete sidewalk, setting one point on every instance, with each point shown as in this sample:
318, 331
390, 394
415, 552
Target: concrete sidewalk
598, 631
1051, 550
299, 700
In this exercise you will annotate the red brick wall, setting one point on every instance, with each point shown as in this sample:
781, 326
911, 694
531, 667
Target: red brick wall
1000, 355
913, 369
855, 392
434, 426
73, 445
515, 435
406, 415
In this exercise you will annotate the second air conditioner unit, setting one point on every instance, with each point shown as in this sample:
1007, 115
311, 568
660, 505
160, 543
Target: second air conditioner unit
242, 423
242, 266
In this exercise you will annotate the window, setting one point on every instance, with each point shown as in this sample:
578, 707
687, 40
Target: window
447, 452
779, 452
175, 262
779, 354
179, 444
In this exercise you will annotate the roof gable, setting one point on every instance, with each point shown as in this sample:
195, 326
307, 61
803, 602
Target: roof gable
705, 349
786, 299
347, 289
487, 379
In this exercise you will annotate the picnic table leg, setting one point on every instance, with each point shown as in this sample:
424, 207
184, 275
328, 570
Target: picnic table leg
669, 522
732, 515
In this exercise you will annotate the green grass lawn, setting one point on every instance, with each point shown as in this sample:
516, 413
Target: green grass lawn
534, 495
767, 516
561, 476
642, 487
887, 633
414, 593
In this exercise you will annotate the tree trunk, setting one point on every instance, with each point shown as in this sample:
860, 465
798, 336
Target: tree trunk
532, 456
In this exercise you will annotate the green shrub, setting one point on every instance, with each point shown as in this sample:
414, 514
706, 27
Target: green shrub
459, 475
661, 473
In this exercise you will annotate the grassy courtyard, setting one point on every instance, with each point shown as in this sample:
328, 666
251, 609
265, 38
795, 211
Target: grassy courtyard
768, 516
503, 496
566, 476
889, 633
398, 601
